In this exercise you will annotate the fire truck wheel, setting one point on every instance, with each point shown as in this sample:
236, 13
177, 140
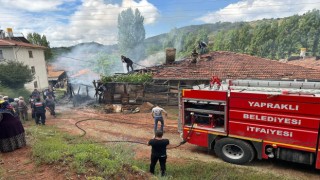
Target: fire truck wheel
234, 151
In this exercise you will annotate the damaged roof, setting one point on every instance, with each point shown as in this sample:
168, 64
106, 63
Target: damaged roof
229, 65
54, 74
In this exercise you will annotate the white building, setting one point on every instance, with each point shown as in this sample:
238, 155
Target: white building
18, 49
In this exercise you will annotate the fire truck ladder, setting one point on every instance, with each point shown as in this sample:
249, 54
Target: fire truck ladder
290, 87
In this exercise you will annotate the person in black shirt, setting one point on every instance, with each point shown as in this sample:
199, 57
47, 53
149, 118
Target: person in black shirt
128, 61
159, 152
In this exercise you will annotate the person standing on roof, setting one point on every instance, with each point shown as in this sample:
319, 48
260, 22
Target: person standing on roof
202, 46
194, 56
128, 61
157, 115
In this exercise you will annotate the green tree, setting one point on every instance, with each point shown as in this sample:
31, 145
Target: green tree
289, 37
131, 33
105, 64
15, 74
244, 38
37, 39
219, 41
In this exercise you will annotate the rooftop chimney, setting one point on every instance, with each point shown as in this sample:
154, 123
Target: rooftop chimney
170, 55
10, 32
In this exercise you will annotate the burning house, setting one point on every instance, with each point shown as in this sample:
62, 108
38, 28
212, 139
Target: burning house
174, 75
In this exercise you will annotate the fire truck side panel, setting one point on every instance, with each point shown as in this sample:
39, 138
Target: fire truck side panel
278, 119
292, 138
196, 136
289, 97
284, 121
205, 94
273, 104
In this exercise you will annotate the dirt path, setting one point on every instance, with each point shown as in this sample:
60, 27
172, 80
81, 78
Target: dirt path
19, 165
139, 127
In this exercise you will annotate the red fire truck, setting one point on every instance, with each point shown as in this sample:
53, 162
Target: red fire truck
250, 119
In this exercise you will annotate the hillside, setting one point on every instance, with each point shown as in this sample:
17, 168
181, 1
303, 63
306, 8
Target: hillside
267, 38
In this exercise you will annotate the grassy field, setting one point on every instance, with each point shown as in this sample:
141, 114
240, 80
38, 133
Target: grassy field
49, 146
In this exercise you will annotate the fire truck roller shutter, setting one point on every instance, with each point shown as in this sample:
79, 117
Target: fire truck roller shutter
234, 151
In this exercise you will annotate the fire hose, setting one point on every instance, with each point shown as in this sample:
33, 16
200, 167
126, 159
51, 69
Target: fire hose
125, 141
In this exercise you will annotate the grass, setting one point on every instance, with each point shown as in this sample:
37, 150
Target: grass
50, 146
60, 93
15, 93
194, 170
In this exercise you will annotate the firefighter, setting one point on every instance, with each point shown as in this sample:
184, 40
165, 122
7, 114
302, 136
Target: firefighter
158, 152
39, 112
194, 56
50, 104
128, 61
202, 46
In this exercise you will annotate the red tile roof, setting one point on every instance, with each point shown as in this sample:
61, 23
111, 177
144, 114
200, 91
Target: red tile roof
308, 63
52, 73
10, 43
228, 65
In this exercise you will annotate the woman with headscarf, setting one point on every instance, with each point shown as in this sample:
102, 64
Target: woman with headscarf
12, 134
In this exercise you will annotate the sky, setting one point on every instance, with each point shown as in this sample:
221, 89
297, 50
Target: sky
69, 22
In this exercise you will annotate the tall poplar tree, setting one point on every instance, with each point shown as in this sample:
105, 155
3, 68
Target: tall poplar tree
131, 33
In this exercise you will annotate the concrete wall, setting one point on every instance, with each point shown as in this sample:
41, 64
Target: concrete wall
8, 53
38, 61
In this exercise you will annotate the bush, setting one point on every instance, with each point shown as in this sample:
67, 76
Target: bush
15, 74
14, 93
129, 78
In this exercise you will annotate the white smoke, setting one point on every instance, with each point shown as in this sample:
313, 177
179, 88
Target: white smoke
152, 60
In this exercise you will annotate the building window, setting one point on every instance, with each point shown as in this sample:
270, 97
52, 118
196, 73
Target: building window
33, 70
30, 54
1, 55
35, 84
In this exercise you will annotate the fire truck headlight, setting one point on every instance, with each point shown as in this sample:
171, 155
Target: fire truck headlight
192, 113
269, 149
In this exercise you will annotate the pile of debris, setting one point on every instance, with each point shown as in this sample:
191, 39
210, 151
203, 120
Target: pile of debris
117, 108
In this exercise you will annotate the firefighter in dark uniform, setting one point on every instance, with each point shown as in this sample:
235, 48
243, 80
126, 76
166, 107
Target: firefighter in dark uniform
39, 112
195, 56
203, 47
128, 61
